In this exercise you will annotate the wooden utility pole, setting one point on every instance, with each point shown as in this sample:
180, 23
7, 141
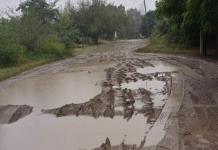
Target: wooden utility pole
145, 7
203, 48
146, 20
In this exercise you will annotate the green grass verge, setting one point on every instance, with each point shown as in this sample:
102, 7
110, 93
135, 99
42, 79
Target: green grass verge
36, 59
88, 49
7, 72
30, 61
154, 47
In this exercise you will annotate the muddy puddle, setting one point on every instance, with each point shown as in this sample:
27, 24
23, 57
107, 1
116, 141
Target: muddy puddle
47, 132
155, 87
158, 66
50, 91
76, 110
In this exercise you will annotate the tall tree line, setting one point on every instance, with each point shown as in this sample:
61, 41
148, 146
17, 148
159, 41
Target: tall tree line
192, 22
43, 30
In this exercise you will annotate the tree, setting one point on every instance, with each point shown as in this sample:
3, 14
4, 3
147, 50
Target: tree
203, 16
11, 51
170, 12
66, 27
96, 19
90, 18
148, 23
36, 20
132, 28
188, 19
116, 20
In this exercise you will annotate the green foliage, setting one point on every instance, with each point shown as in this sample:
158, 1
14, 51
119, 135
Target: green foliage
173, 10
185, 19
89, 19
70, 37
95, 19
202, 14
11, 54
170, 18
116, 19
36, 20
133, 26
148, 23
52, 46
44, 11
41, 30
66, 29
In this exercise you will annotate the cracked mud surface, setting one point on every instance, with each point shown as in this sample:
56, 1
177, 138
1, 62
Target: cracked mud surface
115, 100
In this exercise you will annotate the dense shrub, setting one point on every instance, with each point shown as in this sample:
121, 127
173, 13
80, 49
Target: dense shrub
71, 37
12, 54
51, 45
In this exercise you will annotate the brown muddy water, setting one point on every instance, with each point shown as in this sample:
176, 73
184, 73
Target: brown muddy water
54, 90
48, 132
40, 131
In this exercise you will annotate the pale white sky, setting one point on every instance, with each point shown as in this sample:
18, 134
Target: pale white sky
4, 4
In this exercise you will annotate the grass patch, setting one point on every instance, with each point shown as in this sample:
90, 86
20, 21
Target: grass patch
31, 61
7, 72
103, 46
155, 47
35, 59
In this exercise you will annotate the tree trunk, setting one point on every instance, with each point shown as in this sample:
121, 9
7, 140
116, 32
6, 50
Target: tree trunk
217, 42
145, 7
203, 48
95, 39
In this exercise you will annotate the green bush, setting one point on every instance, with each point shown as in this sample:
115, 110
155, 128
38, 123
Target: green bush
12, 54
70, 37
51, 45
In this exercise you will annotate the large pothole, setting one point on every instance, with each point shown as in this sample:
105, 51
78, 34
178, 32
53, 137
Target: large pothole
120, 106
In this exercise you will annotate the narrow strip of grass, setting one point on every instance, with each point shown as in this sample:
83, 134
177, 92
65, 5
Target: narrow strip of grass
8, 72
36, 59
153, 47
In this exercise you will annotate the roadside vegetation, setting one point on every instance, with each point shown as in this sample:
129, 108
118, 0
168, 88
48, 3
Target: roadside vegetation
38, 32
184, 26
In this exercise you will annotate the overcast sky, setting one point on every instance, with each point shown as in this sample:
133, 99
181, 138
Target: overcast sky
4, 4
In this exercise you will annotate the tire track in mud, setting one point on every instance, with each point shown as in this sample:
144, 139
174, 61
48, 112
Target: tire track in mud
196, 126
105, 103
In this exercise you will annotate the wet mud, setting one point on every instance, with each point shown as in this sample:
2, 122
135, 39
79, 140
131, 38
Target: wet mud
126, 92
12, 113
117, 100
140, 102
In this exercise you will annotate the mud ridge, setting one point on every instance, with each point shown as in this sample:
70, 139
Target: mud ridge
12, 113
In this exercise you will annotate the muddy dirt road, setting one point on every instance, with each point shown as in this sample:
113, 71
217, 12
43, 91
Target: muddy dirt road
112, 99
